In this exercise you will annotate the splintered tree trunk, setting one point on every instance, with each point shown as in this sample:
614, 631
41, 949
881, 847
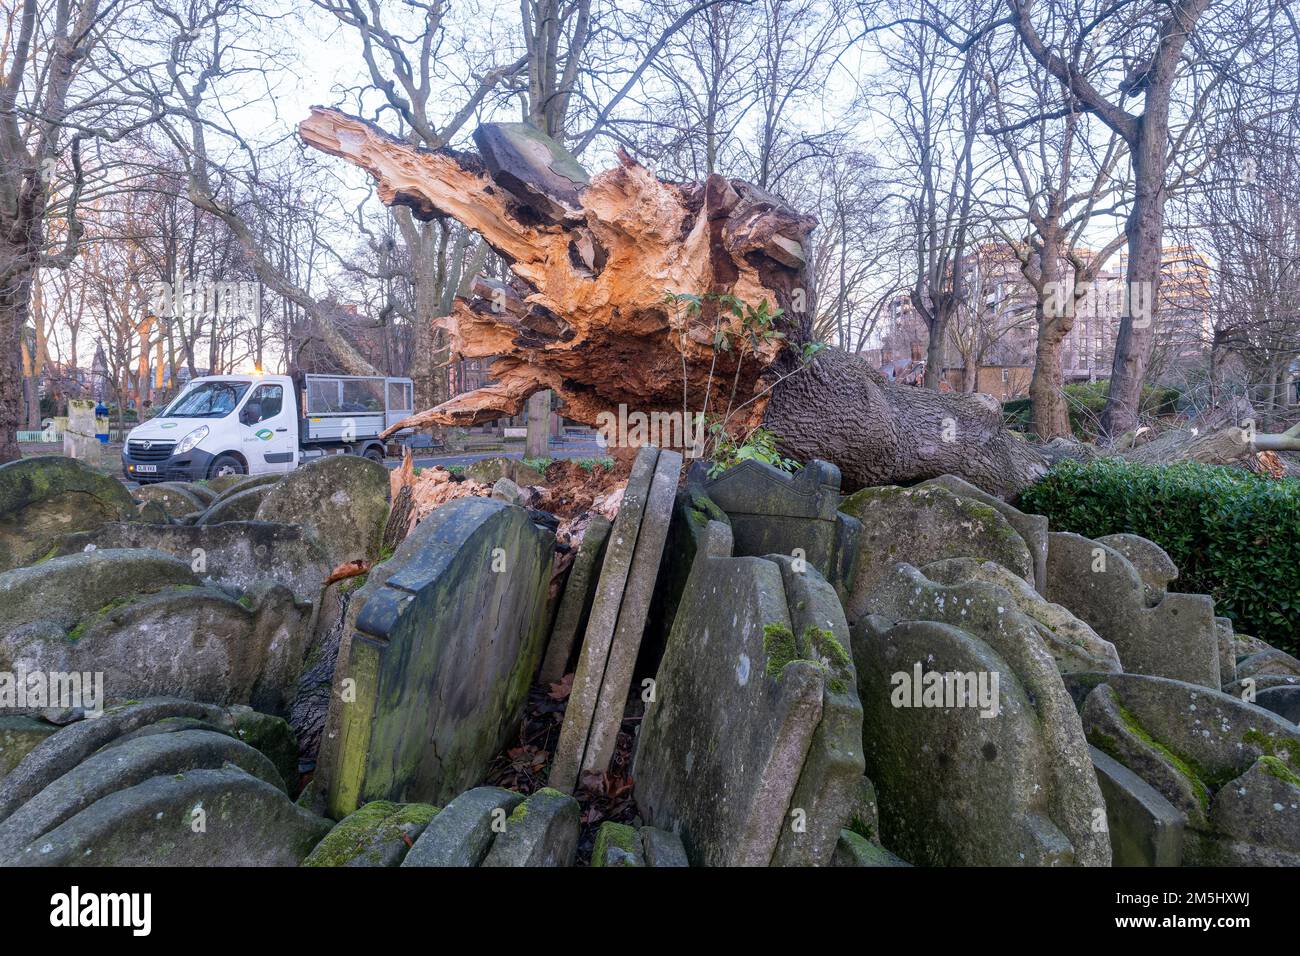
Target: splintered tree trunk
585, 313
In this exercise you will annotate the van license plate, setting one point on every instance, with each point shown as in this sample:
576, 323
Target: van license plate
146, 469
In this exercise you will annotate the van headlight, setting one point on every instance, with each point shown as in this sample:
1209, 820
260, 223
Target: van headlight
190, 440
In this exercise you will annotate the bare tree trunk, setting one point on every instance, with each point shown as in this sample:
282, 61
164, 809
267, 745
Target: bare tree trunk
585, 314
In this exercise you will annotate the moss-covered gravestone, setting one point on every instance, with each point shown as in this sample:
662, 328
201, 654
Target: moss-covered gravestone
772, 512
921, 525
448, 637
753, 729
44, 498
341, 499
1168, 635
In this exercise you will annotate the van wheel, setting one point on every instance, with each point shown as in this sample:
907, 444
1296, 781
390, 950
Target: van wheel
225, 465
375, 455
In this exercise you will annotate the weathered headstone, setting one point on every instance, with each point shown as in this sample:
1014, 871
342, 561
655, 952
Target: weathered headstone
462, 833
341, 499
1176, 637
575, 606
633, 612
182, 640
541, 831
920, 525
1032, 528
44, 498
175, 498
772, 512
1145, 828
241, 504
1074, 645
971, 741
617, 845
738, 700
117, 768
488, 471
379, 834
1194, 745
236, 554
449, 633
246, 822
603, 622
534, 168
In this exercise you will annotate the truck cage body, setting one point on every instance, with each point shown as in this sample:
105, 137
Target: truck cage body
352, 408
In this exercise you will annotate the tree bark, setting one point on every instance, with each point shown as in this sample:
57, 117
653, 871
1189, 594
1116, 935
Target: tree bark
586, 313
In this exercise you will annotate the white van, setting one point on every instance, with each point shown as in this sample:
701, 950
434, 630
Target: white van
263, 424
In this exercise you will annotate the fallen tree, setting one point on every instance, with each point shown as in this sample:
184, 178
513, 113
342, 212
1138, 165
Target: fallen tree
664, 297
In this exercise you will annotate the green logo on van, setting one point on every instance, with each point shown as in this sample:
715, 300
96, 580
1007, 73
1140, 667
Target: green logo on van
265, 434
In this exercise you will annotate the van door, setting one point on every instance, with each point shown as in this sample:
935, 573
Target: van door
269, 431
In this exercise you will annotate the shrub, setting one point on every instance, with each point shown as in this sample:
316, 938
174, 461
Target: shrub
1085, 400
1233, 535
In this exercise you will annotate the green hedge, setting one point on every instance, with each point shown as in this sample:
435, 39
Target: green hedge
1233, 535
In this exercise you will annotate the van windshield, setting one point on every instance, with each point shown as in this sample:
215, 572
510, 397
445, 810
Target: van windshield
207, 400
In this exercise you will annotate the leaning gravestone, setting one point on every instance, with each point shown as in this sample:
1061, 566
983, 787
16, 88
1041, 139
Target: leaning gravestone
462, 833
42, 499
1176, 637
1017, 763
541, 831
236, 554
618, 614
247, 822
1032, 528
772, 512
739, 698
962, 781
175, 498
830, 781
379, 834
921, 525
449, 633
1074, 645
1145, 828
341, 499
575, 606
633, 612
1199, 748
238, 505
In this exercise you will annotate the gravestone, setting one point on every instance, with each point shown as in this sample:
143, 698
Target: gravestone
1032, 528
247, 822
772, 512
1145, 828
183, 640
44, 498
449, 633
1073, 644
541, 831
970, 772
921, 525
575, 605
241, 504
738, 700
235, 554
341, 499
462, 833
174, 498
19, 736
1195, 745
1176, 637
617, 845
379, 834
617, 586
